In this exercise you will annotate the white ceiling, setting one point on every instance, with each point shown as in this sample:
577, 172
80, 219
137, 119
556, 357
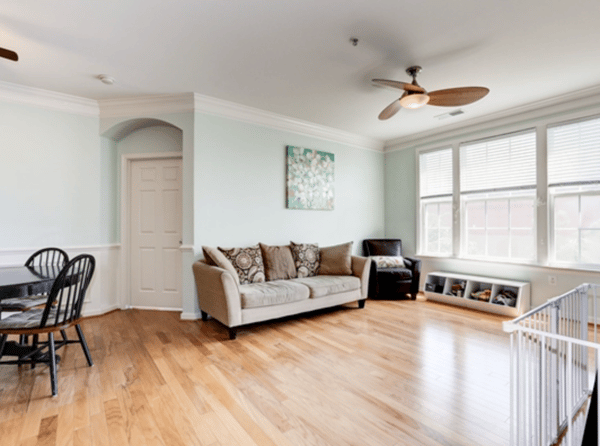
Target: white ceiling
294, 57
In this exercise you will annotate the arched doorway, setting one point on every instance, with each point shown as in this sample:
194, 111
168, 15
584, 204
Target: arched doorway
149, 165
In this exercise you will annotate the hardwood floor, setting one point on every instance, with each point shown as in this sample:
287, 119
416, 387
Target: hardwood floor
394, 373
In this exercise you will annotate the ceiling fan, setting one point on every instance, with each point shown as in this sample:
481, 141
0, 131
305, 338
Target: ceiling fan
415, 96
8, 54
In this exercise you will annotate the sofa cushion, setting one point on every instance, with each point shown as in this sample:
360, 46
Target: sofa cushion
248, 263
325, 285
279, 263
214, 257
272, 293
336, 260
306, 257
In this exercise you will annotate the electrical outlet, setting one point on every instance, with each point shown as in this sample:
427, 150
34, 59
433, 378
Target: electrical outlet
552, 280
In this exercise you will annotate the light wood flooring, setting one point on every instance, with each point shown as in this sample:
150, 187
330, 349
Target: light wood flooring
394, 373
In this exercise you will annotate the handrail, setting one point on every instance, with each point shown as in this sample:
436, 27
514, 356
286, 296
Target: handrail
549, 303
550, 370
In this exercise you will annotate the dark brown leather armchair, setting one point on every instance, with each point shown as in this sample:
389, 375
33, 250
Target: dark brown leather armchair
395, 281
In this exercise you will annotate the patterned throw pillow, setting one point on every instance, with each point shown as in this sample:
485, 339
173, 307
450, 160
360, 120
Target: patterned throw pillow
248, 263
388, 261
306, 257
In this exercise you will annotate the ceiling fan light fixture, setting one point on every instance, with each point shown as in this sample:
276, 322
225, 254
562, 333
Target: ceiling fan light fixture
415, 100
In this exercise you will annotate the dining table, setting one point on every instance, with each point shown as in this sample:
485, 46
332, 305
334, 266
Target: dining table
22, 281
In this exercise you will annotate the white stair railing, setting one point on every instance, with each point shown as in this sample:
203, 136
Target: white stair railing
554, 361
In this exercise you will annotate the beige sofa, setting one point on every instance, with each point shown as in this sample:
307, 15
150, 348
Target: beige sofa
234, 305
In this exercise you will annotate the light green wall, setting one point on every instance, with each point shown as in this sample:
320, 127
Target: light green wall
109, 199
240, 184
50, 178
400, 198
154, 139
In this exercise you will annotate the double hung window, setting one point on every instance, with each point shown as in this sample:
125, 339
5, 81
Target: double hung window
574, 192
497, 188
435, 173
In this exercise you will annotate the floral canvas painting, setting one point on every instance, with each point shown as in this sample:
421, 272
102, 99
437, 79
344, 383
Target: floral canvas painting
309, 179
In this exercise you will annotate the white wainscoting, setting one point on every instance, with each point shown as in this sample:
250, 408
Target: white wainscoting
102, 296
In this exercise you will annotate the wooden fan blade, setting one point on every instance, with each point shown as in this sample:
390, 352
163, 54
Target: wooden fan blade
400, 85
390, 110
457, 96
8, 54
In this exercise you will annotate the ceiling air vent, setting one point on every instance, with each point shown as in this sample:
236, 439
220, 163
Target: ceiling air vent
450, 114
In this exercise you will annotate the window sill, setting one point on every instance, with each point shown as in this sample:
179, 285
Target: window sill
555, 267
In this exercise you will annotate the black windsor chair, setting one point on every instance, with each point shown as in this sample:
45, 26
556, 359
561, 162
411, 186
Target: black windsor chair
61, 311
44, 258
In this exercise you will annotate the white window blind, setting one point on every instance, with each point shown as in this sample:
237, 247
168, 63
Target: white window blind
574, 153
435, 178
435, 173
504, 163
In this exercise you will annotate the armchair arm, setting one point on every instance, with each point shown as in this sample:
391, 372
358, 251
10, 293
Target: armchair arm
218, 293
361, 268
415, 267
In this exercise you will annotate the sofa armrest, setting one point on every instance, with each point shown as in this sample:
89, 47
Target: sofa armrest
218, 293
361, 268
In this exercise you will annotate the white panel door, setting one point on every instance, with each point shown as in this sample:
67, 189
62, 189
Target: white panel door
155, 233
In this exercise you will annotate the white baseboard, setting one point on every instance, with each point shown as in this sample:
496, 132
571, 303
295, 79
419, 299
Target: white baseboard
190, 316
98, 312
136, 307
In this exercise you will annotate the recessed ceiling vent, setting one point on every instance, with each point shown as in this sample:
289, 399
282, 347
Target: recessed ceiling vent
450, 114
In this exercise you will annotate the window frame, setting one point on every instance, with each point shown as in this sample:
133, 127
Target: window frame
552, 195
487, 197
423, 231
498, 193
420, 217
540, 120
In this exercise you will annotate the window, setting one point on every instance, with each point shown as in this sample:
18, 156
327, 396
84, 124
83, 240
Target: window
497, 187
435, 173
574, 192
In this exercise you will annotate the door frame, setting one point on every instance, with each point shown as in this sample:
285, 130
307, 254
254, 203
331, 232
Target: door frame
127, 160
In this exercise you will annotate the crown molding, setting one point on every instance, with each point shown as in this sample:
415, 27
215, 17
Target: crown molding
251, 115
195, 102
146, 105
51, 100
570, 102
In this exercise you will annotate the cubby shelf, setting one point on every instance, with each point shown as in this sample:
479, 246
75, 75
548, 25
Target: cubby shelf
460, 289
